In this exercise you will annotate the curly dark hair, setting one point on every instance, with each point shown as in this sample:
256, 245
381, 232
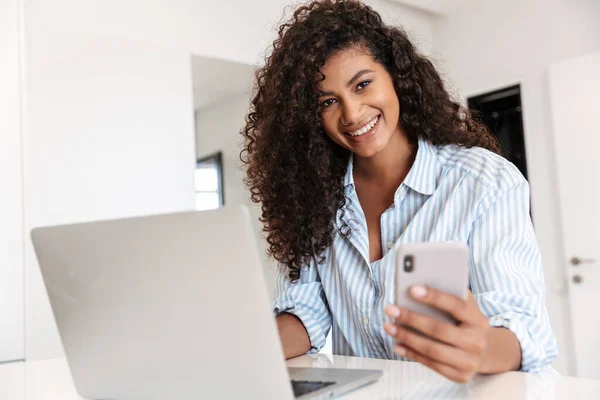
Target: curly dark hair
292, 167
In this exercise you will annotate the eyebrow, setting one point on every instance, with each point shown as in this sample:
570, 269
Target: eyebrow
350, 82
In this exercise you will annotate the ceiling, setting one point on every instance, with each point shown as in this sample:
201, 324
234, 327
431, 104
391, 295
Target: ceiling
216, 80
438, 7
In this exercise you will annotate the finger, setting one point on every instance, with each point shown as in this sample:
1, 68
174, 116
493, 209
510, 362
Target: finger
437, 351
444, 369
431, 327
459, 308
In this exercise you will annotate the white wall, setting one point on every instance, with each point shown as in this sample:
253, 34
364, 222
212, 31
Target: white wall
489, 44
109, 111
418, 24
217, 129
11, 203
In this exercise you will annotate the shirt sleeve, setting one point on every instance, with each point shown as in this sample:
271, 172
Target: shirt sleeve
305, 299
506, 271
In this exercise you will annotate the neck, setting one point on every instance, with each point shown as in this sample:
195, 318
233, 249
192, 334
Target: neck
390, 166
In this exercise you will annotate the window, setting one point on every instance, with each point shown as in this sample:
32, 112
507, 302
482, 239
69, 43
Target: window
209, 182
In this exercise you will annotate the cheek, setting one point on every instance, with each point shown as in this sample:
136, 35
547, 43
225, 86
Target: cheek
335, 137
329, 126
333, 134
392, 107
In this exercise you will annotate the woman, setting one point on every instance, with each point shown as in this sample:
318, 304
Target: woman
353, 146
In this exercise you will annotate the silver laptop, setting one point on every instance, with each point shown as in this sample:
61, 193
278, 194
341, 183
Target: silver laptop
172, 307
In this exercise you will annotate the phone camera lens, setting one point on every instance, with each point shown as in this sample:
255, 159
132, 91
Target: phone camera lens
408, 263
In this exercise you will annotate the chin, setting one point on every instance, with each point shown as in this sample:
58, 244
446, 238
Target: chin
368, 150
366, 153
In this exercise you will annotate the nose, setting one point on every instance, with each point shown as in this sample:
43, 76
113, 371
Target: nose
351, 112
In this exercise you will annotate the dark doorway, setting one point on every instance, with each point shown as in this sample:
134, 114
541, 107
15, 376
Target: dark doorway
500, 110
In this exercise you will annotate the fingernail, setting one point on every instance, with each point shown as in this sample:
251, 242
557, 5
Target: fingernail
418, 291
400, 350
390, 329
393, 311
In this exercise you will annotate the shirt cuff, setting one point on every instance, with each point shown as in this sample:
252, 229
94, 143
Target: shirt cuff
533, 358
313, 328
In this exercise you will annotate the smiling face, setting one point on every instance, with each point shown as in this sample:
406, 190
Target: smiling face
359, 106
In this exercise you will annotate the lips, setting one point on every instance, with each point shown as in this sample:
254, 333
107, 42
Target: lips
365, 128
367, 136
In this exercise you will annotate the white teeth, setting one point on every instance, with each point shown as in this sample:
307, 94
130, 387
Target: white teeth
365, 129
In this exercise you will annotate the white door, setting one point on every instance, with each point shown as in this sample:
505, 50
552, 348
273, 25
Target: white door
575, 101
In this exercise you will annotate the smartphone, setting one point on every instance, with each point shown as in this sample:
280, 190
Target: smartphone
443, 266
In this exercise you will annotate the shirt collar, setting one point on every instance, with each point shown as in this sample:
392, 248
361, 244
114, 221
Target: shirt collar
422, 176
349, 177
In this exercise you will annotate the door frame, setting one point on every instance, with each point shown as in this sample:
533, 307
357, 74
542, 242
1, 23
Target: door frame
556, 272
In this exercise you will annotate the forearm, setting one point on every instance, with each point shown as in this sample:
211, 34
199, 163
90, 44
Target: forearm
503, 352
293, 335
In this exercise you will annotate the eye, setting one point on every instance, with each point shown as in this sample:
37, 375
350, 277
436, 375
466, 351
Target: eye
363, 85
327, 103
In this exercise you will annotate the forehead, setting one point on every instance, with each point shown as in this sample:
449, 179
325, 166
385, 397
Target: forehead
341, 67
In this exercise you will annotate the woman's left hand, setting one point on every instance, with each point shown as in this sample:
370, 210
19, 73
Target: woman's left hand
455, 351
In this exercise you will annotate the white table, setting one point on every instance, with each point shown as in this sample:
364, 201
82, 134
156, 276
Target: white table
51, 380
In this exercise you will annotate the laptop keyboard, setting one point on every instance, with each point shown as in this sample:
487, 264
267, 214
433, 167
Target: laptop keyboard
304, 387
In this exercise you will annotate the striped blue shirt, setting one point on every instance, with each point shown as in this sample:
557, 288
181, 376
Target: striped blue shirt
450, 194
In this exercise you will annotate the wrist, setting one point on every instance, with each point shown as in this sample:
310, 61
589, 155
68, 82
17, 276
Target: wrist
503, 352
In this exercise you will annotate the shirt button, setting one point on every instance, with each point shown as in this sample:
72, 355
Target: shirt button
366, 321
389, 244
